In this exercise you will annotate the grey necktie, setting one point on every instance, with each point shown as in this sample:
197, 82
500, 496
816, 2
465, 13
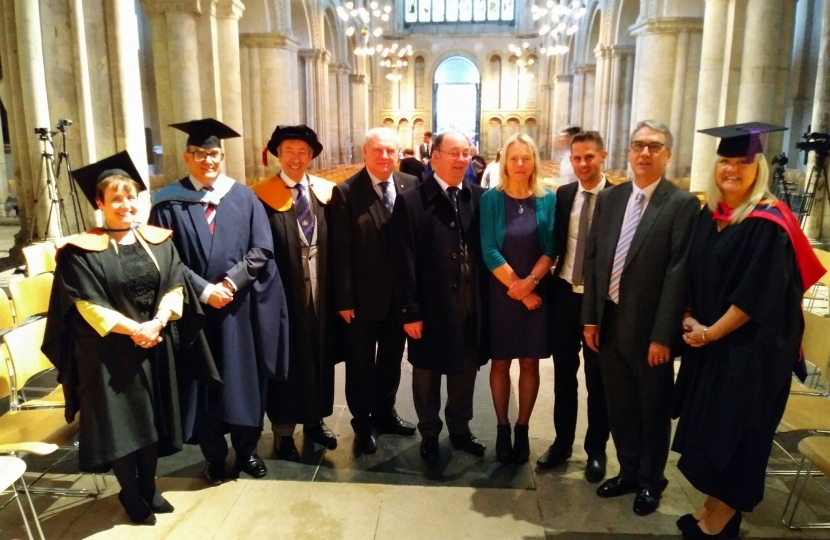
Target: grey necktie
387, 196
581, 236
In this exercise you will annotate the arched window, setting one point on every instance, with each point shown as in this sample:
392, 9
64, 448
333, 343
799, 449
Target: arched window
492, 144
494, 94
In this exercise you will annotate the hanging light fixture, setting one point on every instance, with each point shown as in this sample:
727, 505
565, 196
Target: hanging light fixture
395, 58
557, 20
367, 25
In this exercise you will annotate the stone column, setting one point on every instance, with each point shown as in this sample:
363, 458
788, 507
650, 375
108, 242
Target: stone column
678, 100
126, 88
208, 54
709, 91
578, 95
658, 39
86, 123
605, 66
173, 26
817, 225
341, 77
612, 137
561, 100
228, 13
269, 83
588, 88
759, 63
359, 113
317, 77
36, 110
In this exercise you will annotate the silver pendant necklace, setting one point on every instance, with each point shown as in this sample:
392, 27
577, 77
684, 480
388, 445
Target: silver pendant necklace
521, 206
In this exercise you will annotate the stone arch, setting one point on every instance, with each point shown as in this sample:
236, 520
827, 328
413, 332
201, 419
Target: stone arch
389, 123
493, 136
626, 16
494, 76
512, 126
301, 23
531, 129
420, 83
418, 129
404, 133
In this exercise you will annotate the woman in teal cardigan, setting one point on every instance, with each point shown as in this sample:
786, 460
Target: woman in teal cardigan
518, 245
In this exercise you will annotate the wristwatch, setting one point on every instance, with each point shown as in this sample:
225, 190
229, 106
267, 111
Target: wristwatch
162, 323
535, 281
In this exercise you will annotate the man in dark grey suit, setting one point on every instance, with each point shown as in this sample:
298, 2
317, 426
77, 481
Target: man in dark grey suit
635, 285
363, 289
574, 207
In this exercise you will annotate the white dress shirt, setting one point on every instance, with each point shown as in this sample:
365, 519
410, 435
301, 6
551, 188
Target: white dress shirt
379, 190
566, 171
221, 186
573, 228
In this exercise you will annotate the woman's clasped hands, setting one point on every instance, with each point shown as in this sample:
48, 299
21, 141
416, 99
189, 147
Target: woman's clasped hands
147, 334
522, 290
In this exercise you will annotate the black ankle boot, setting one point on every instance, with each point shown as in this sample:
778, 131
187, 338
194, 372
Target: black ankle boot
504, 447
138, 511
521, 444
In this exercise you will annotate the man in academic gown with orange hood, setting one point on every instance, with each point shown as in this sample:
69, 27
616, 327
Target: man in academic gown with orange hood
296, 204
221, 233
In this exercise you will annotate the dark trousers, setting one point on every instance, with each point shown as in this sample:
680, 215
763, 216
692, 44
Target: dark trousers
214, 447
639, 408
426, 392
566, 342
373, 369
136, 473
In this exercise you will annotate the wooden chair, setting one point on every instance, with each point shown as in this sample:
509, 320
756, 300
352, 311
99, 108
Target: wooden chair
24, 361
807, 414
816, 346
821, 290
40, 258
30, 295
22, 431
6, 314
815, 452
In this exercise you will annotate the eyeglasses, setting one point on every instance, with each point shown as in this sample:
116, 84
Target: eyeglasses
653, 147
456, 154
201, 155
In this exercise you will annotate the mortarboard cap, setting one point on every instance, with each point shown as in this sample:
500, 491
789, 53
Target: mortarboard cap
206, 133
89, 176
741, 140
299, 133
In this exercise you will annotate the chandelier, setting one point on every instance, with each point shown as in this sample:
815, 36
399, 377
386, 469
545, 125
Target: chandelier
366, 24
557, 21
395, 57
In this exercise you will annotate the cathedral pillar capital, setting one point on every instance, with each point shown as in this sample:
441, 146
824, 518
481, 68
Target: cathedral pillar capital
318, 55
357, 79
667, 25
229, 9
158, 7
270, 40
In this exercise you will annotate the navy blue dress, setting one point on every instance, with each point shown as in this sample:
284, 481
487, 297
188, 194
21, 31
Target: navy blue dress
515, 331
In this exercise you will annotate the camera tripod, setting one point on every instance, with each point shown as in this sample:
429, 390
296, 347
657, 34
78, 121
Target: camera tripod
815, 180
63, 159
50, 190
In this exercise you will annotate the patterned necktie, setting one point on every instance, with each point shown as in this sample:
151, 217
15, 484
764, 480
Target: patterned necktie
303, 211
579, 257
452, 193
624, 242
210, 210
387, 196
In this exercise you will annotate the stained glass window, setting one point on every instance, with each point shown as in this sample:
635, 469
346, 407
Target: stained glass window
431, 11
424, 11
479, 10
452, 10
411, 14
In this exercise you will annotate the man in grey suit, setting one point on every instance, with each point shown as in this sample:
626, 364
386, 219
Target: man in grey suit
635, 285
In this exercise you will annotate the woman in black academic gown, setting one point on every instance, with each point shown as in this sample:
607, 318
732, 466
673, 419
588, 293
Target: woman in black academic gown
748, 268
116, 289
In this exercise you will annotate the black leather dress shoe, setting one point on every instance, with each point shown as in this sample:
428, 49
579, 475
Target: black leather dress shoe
215, 473
321, 434
253, 466
287, 450
395, 425
140, 513
555, 456
614, 487
691, 528
468, 442
429, 449
595, 469
646, 502
366, 442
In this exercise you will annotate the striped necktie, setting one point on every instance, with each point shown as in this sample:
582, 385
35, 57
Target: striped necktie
210, 210
623, 244
303, 212
387, 196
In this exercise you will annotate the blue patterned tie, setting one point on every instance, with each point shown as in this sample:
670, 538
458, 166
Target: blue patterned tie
303, 211
387, 196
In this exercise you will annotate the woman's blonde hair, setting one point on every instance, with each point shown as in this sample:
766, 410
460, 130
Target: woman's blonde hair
533, 183
759, 191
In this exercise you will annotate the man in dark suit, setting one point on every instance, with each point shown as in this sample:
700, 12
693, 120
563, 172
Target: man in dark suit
363, 289
412, 165
575, 203
635, 288
425, 148
436, 253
